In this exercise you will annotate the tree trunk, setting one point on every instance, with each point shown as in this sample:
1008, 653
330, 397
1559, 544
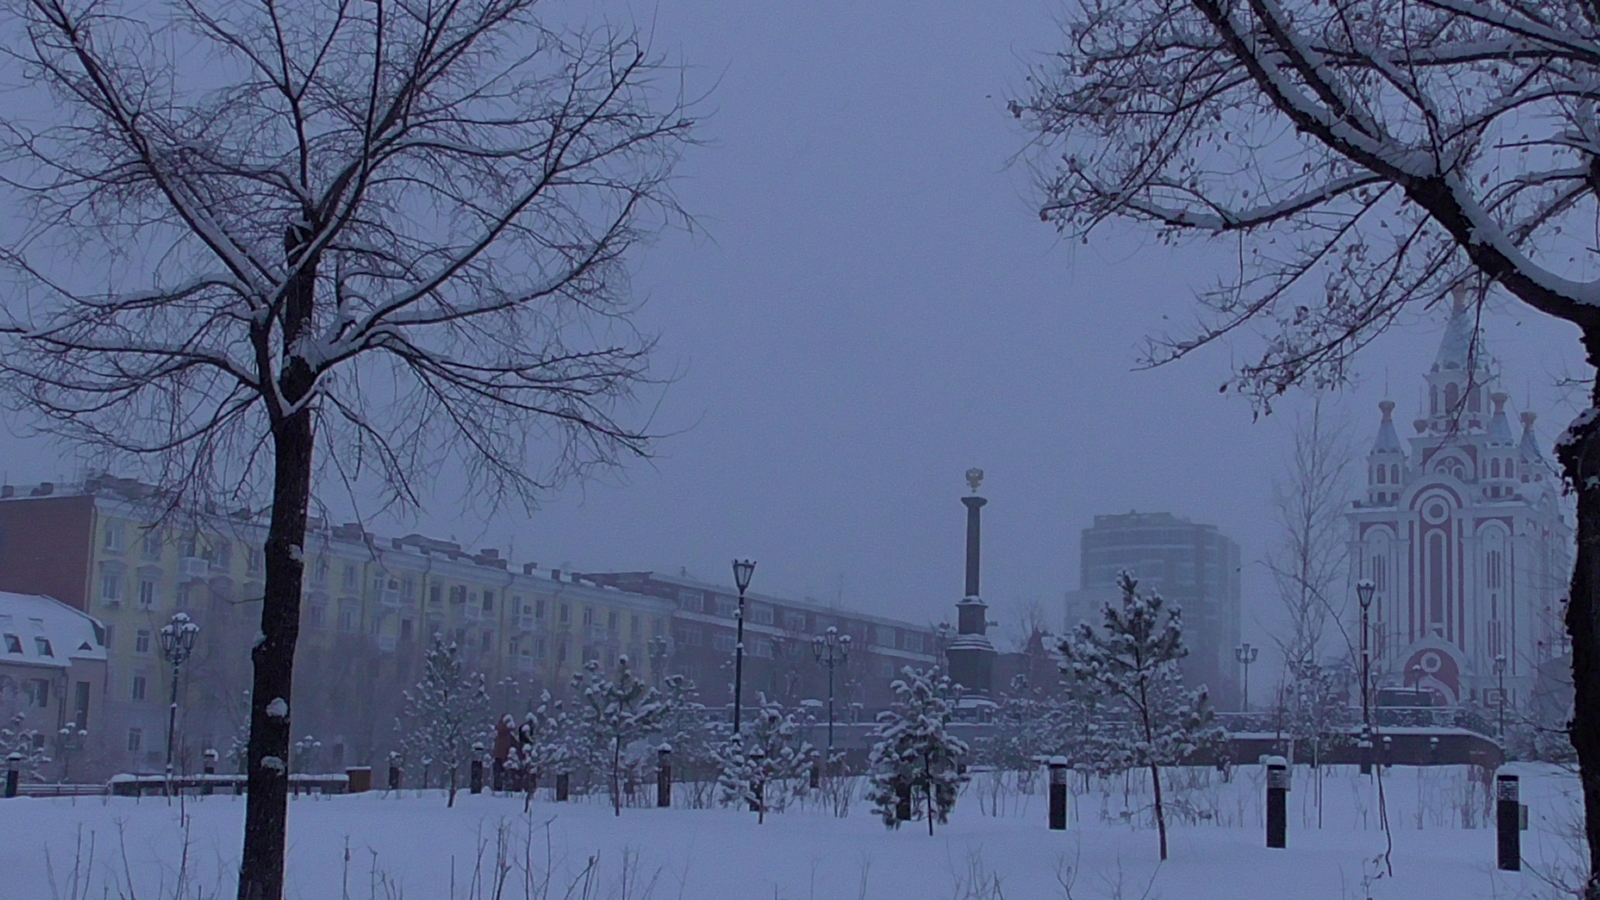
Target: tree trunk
266, 813
1580, 461
616, 785
1161, 816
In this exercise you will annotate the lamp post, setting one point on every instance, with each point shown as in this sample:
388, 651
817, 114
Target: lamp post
658, 657
742, 570
1365, 588
177, 641
1500, 677
831, 650
1246, 655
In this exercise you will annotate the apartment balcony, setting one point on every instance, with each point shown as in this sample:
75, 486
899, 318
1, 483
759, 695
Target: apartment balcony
527, 622
474, 613
389, 599
387, 642
191, 568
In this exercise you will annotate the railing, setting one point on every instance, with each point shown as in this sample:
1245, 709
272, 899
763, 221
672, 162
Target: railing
194, 567
142, 785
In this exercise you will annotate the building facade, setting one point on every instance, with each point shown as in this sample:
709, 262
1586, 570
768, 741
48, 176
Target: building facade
1193, 566
52, 678
778, 658
1462, 532
370, 608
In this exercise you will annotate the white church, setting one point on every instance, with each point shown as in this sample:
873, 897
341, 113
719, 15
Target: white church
1463, 532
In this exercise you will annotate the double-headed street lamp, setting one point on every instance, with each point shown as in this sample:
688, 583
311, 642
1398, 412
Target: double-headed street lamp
1365, 588
658, 657
177, 641
831, 649
1246, 655
742, 570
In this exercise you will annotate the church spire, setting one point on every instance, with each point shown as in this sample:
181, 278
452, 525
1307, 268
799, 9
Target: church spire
1386, 463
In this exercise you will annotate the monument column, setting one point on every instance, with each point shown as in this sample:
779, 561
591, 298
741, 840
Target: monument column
970, 653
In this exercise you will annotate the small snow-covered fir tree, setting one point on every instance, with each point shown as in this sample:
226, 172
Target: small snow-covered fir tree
615, 713
1148, 719
445, 714
768, 764
546, 743
914, 750
690, 730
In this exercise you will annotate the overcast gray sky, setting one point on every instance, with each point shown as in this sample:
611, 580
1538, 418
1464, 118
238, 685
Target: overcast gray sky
873, 306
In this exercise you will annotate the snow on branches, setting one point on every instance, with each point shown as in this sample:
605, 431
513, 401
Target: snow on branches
915, 753
769, 763
1146, 718
616, 711
1355, 156
445, 714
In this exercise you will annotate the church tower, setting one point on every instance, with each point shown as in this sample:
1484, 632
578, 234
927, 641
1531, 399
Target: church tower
1463, 535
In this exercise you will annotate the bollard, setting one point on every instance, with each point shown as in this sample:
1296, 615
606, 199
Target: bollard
1433, 751
1366, 750
13, 773
1058, 793
902, 802
210, 769
394, 776
1277, 802
499, 776
816, 775
563, 788
1508, 823
664, 777
475, 776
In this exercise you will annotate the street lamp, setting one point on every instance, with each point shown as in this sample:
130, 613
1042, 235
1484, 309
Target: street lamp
658, 657
831, 649
1246, 655
1500, 676
177, 641
1365, 588
742, 570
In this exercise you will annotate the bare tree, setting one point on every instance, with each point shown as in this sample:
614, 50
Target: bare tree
1308, 563
266, 241
1358, 158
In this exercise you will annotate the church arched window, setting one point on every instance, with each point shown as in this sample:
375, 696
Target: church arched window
1473, 403
1433, 401
1394, 474
1494, 468
1510, 469
1452, 397
1383, 472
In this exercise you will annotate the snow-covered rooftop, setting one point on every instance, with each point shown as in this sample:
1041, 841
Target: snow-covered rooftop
37, 630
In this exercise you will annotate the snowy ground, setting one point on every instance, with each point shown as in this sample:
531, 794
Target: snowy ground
412, 846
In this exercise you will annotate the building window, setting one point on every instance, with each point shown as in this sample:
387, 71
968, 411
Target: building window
434, 595
1494, 468
135, 739
487, 645
794, 621
111, 587
693, 601
222, 553
41, 645
1510, 469
633, 624
13, 644
116, 537
655, 627
317, 614
538, 609
1383, 474
727, 607
1493, 568
611, 621
761, 614
80, 705
488, 601
138, 687
349, 578
566, 614
141, 641
319, 572
458, 593
539, 648
723, 642
1394, 474
408, 588
348, 618
405, 630
588, 616
258, 560
38, 692
147, 593
693, 636
152, 543
186, 547
561, 651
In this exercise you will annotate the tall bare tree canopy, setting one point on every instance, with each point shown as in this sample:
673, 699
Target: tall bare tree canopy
386, 237
1357, 157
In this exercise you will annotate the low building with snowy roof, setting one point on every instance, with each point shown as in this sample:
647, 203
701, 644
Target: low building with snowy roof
52, 675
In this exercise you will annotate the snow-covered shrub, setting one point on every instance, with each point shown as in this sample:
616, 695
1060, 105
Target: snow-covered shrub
769, 763
915, 752
615, 713
444, 715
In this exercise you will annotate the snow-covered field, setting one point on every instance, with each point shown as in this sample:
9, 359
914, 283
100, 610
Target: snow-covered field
383, 846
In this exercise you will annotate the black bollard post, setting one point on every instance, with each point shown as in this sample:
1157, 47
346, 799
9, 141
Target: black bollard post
210, 770
816, 775
1365, 745
563, 787
902, 802
1508, 822
499, 776
475, 770
1058, 793
13, 773
664, 777
394, 772
1277, 802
